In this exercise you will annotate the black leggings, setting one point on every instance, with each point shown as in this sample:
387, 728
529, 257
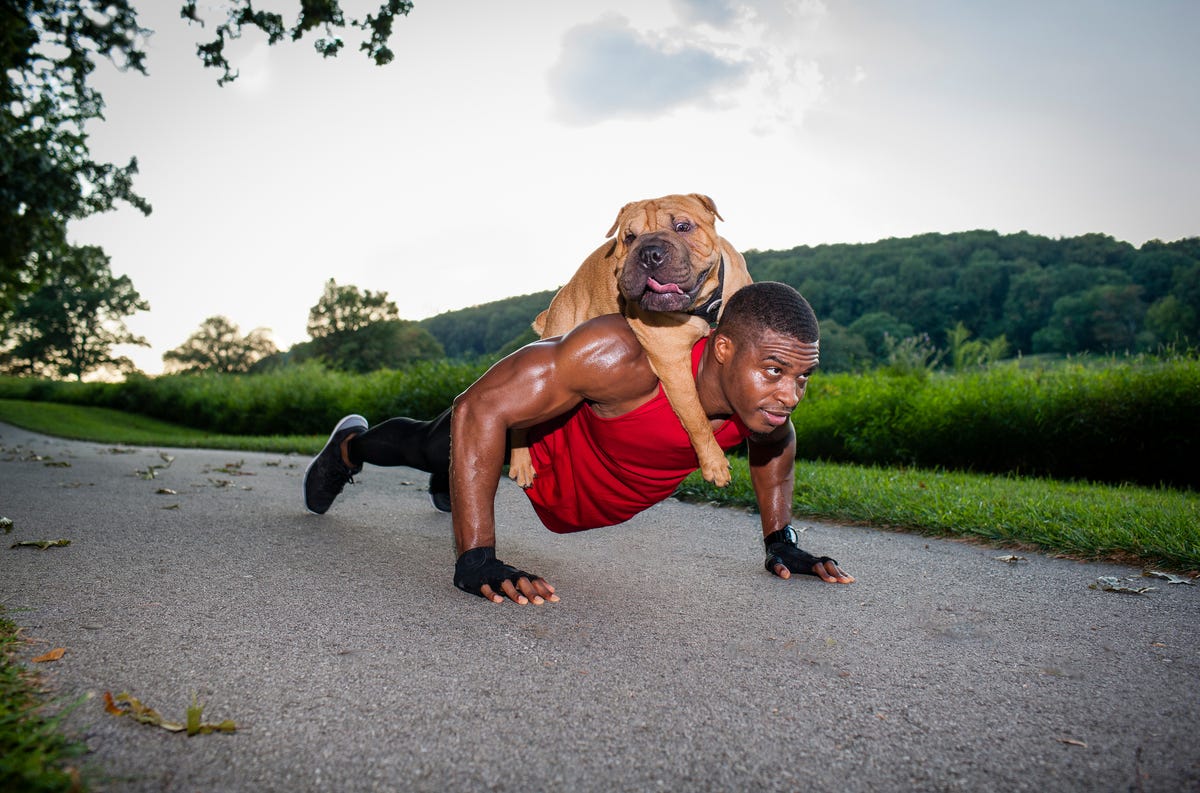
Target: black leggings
424, 445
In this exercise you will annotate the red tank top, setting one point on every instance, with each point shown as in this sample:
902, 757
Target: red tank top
594, 471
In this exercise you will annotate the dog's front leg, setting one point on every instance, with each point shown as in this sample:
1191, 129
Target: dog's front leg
669, 349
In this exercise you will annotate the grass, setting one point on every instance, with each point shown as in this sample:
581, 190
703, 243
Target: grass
1158, 527
35, 755
104, 425
1149, 526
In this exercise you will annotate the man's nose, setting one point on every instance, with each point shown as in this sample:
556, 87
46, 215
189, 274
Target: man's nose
791, 392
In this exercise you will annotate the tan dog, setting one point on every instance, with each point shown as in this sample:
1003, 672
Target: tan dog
670, 274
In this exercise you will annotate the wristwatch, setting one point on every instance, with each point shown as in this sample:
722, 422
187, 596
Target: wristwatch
786, 534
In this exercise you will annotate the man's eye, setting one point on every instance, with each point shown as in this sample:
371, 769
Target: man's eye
682, 226
774, 371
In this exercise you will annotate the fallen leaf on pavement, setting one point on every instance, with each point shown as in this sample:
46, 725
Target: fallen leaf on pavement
126, 705
166, 491
1011, 558
1072, 742
1110, 583
53, 655
1170, 578
6, 524
41, 544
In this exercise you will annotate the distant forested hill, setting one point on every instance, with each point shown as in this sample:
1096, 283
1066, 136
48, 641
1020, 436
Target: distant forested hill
1090, 293
1067, 295
488, 328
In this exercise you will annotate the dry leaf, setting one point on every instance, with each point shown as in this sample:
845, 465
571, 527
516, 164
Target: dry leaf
166, 491
125, 705
41, 544
1072, 742
1110, 583
1011, 558
1170, 578
53, 655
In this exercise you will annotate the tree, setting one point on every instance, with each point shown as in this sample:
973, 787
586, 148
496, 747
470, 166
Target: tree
324, 14
48, 51
47, 175
390, 344
219, 346
69, 324
1172, 321
348, 308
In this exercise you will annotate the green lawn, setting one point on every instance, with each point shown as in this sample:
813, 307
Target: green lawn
103, 425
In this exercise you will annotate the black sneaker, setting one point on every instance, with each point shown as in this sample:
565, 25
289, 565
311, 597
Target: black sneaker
326, 475
439, 491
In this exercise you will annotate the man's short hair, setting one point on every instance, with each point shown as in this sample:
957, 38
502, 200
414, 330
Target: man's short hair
768, 305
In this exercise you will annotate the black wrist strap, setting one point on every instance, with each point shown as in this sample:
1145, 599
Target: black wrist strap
786, 534
783, 550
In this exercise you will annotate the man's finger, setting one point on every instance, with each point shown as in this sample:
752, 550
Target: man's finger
782, 571
831, 573
543, 588
530, 591
491, 595
510, 589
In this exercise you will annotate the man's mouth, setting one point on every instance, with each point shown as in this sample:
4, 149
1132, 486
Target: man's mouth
776, 419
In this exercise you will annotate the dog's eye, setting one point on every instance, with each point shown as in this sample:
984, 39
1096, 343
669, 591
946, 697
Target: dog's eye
629, 237
682, 226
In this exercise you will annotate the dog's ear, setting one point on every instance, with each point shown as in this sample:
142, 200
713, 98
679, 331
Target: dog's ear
708, 203
617, 222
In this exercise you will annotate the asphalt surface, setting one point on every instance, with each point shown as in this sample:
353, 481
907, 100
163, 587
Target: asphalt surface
673, 662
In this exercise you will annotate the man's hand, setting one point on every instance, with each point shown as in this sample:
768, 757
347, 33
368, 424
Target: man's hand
785, 557
479, 572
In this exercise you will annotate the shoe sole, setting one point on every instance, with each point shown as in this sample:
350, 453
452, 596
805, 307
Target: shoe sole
341, 425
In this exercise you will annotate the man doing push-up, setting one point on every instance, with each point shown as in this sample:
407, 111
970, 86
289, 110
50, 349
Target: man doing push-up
604, 440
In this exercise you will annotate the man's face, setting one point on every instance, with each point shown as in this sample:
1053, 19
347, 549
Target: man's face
765, 379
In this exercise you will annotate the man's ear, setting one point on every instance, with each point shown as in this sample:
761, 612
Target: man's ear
723, 347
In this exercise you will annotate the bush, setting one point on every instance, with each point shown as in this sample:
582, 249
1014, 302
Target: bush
301, 399
1123, 422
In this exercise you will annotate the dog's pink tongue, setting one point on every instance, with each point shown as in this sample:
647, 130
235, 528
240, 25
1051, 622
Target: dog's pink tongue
663, 289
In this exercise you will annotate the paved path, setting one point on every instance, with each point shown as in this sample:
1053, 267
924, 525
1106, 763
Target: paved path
673, 662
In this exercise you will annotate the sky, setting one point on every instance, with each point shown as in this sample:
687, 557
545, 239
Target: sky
490, 158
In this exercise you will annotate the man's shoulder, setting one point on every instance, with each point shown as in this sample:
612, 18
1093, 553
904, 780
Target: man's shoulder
604, 356
610, 332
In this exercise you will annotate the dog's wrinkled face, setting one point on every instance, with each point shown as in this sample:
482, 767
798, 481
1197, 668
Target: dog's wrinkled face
668, 251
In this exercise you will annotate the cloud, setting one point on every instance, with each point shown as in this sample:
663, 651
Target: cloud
718, 13
756, 59
609, 70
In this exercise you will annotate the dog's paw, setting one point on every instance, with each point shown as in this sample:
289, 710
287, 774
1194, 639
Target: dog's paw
520, 470
717, 472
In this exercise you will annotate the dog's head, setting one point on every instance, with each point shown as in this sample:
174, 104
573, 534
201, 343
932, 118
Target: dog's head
667, 251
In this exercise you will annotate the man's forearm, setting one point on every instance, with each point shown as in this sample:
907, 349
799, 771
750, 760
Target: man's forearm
773, 473
477, 446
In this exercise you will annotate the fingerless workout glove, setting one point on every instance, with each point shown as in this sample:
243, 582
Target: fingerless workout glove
782, 549
480, 566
